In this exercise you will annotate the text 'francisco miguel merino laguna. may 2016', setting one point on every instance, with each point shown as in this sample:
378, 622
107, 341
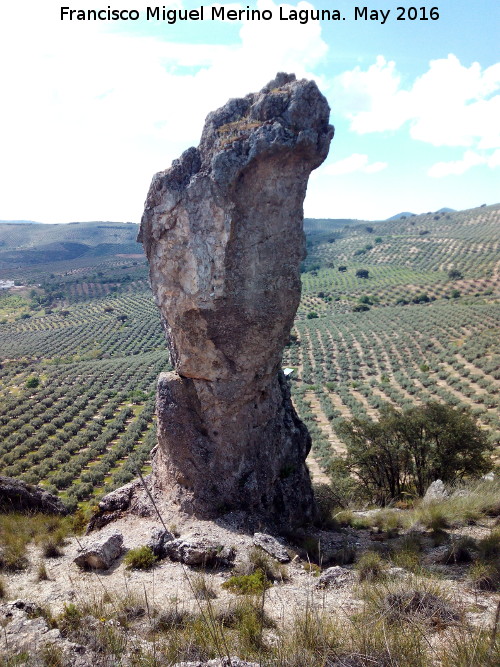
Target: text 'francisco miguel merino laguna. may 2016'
223, 13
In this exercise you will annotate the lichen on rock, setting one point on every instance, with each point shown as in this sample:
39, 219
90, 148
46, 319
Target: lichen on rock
223, 233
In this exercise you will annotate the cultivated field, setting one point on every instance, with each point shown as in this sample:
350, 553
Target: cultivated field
396, 312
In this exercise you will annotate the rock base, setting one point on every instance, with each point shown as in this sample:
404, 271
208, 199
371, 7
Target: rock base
205, 471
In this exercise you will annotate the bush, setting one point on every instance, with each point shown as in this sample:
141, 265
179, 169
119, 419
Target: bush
70, 619
272, 570
32, 383
247, 584
140, 558
406, 450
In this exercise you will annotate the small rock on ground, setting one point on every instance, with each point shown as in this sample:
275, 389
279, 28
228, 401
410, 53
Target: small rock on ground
271, 546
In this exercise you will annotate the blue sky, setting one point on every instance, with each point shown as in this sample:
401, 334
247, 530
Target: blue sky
90, 110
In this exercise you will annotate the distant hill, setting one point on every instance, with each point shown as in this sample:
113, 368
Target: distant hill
398, 216
328, 224
407, 214
37, 244
19, 222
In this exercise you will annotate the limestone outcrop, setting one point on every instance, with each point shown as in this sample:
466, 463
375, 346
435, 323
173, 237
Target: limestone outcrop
223, 232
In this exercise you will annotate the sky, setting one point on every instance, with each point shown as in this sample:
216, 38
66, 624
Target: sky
90, 110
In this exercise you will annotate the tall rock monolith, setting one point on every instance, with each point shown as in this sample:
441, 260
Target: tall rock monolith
223, 232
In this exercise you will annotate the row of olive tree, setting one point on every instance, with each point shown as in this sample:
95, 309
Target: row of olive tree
405, 451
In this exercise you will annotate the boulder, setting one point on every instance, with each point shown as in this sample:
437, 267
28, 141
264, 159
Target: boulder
16, 496
335, 577
272, 546
223, 232
157, 541
435, 491
100, 554
199, 551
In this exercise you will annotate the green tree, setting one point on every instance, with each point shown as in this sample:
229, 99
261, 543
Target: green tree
444, 442
455, 274
375, 455
407, 450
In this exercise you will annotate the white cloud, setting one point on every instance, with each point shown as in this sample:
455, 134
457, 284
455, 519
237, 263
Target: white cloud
449, 105
356, 162
469, 160
89, 115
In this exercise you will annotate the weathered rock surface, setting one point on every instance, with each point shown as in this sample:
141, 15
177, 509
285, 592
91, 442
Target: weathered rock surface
222, 230
24, 630
271, 546
128, 498
19, 496
158, 541
335, 577
435, 491
100, 554
199, 551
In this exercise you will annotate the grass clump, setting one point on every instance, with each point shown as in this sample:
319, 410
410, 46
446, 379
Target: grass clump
423, 603
202, 588
52, 655
248, 584
460, 550
466, 505
371, 567
484, 576
3, 589
469, 647
348, 518
489, 547
246, 620
13, 555
70, 619
313, 569
51, 548
140, 558
172, 619
408, 553
41, 573
435, 516
389, 521
485, 572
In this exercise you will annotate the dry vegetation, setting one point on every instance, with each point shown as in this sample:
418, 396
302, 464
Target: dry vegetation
422, 590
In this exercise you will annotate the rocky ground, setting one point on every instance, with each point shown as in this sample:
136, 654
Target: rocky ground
173, 585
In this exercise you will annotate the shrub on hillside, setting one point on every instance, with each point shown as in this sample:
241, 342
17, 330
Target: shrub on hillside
407, 450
